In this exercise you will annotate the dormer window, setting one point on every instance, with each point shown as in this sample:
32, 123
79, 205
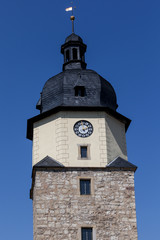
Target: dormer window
79, 91
74, 52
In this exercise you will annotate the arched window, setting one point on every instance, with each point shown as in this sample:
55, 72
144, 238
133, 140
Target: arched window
82, 56
67, 56
74, 52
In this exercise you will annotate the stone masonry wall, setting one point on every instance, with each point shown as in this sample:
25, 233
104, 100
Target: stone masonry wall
59, 211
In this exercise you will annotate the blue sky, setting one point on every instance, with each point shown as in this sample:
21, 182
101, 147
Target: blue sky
123, 40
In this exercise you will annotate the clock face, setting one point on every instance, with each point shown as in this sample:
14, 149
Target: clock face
83, 128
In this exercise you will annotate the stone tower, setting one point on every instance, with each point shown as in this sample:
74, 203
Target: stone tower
82, 181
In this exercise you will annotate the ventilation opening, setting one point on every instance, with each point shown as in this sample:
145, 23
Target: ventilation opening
67, 56
74, 52
79, 91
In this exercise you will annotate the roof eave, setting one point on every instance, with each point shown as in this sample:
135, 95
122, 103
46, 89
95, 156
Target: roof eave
43, 115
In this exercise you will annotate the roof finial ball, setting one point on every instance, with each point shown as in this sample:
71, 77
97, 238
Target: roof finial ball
72, 19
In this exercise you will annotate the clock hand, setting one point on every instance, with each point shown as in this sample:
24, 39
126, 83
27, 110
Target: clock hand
82, 126
82, 123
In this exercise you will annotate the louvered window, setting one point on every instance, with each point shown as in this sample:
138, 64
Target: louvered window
85, 186
86, 234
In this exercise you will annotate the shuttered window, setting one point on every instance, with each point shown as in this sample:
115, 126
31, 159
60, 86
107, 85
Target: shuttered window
86, 234
85, 186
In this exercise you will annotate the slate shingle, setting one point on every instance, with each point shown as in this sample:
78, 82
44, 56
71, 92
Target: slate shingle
48, 162
121, 163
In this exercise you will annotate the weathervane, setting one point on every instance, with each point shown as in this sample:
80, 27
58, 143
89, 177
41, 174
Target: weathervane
72, 17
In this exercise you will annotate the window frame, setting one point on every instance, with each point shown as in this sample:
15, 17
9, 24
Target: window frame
91, 185
82, 228
87, 226
88, 152
84, 180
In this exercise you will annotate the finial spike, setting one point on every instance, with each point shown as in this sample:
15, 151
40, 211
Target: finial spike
72, 18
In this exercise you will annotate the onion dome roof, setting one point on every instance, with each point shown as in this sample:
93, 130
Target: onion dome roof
77, 88
73, 37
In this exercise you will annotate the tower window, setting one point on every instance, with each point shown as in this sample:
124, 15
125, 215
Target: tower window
67, 56
79, 91
86, 234
74, 52
82, 56
83, 151
85, 186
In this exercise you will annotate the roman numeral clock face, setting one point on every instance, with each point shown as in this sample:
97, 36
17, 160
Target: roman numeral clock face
83, 128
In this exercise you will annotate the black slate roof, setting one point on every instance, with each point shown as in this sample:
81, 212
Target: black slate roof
73, 37
60, 91
48, 162
121, 163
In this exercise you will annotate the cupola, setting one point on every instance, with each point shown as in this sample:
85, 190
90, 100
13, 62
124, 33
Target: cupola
76, 86
74, 52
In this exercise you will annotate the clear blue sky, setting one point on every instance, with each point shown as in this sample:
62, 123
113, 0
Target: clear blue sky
123, 39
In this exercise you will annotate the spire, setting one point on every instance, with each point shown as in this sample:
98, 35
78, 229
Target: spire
72, 17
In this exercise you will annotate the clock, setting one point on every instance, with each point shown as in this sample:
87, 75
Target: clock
83, 128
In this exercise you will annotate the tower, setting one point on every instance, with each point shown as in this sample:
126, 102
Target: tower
82, 181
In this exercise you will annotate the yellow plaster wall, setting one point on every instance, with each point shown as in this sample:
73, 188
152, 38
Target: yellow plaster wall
54, 136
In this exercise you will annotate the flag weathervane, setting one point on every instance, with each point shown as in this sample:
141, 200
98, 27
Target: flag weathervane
72, 17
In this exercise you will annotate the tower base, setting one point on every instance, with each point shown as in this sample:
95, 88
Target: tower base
60, 210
